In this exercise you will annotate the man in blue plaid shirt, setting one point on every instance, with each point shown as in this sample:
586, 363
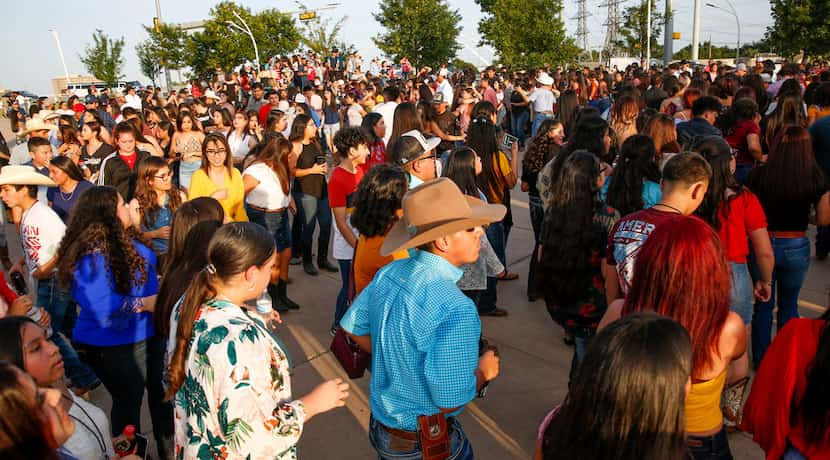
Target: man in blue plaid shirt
423, 332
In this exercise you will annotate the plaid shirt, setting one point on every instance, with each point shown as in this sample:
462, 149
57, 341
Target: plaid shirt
424, 334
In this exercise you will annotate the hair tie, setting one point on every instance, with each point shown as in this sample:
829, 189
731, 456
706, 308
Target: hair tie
210, 269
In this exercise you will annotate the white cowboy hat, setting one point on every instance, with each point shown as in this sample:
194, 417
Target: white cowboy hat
23, 175
47, 115
209, 94
37, 124
545, 79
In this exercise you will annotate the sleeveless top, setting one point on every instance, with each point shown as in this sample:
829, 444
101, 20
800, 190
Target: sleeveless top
312, 184
703, 405
191, 149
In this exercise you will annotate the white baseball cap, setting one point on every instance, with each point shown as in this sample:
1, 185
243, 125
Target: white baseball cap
443, 72
300, 99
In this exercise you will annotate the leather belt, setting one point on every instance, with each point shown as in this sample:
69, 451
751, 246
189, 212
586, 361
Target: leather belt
257, 208
408, 435
787, 234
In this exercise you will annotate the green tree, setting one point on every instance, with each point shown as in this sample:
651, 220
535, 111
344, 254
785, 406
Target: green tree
321, 39
219, 45
634, 31
168, 45
147, 59
425, 31
104, 59
526, 33
800, 25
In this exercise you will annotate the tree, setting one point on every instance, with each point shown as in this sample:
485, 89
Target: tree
526, 33
168, 45
150, 65
104, 59
800, 25
319, 38
219, 45
425, 31
635, 29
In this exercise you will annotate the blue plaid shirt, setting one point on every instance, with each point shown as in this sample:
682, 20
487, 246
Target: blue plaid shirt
425, 335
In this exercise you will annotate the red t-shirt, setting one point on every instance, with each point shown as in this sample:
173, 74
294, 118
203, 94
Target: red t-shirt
739, 217
377, 155
342, 188
263, 113
737, 140
628, 236
130, 160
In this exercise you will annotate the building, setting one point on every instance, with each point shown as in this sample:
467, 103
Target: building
59, 84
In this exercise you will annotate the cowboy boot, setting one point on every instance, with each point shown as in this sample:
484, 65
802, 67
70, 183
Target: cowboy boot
282, 294
322, 257
276, 302
308, 265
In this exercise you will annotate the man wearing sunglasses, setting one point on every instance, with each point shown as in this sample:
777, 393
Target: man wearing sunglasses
417, 156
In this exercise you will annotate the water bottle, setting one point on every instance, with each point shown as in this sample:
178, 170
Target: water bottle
264, 304
36, 314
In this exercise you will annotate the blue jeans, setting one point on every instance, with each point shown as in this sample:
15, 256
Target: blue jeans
537, 215
742, 172
742, 293
274, 222
822, 240
58, 303
710, 447
582, 338
460, 448
537, 121
792, 260
342, 296
126, 370
517, 125
496, 237
314, 210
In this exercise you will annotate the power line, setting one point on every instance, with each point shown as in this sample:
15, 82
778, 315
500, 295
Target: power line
582, 25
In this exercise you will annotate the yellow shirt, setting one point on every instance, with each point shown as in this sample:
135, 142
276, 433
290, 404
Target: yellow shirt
502, 169
703, 405
202, 185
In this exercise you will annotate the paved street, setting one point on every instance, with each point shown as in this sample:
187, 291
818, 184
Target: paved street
534, 363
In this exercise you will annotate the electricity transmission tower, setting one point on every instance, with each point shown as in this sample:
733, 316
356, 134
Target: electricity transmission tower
613, 24
582, 27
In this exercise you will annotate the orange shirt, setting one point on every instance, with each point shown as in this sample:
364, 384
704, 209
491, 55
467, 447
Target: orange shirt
367, 260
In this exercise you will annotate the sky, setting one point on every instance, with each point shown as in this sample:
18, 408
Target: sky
30, 58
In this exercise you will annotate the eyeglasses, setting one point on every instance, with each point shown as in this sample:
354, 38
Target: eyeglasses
215, 151
432, 156
164, 176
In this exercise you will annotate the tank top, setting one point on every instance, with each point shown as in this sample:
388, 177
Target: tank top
312, 184
190, 149
703, 405
239, 145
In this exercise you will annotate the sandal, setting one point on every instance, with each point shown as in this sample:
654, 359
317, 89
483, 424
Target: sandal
731, 401
507, 276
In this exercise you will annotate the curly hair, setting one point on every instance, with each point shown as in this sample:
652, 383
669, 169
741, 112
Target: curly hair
542, 148
98, 229
379, 197
148, 197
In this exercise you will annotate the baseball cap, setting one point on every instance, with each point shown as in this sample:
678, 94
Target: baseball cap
411, 146
90, 99
438, 98
78, 107
299, 99
741, 66
443, 72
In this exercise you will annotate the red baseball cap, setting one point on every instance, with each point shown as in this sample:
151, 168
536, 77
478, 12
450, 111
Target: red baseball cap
78, 107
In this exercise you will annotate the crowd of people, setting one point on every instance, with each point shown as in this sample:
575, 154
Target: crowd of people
669, 209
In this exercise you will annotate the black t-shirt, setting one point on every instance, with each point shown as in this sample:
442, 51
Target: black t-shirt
93, 160
446, 121
783, 215
517, 109
312, 184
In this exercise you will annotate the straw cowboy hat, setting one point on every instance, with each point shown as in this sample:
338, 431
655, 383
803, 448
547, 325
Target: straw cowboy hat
210, 94
37, 124
434, 210
23, 175
544, 79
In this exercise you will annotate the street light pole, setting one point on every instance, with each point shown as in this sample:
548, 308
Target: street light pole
60, 52
734, 13
246, 30
166, 69
648, 34
696, 32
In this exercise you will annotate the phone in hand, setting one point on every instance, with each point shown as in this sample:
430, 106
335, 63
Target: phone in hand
508, 141
320, 159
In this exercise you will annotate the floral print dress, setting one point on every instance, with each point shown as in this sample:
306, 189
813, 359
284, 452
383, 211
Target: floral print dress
235, 399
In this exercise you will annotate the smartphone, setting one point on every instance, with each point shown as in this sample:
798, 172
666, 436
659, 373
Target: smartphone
508, 141
320, 159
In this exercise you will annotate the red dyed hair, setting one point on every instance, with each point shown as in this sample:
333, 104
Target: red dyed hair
682, 273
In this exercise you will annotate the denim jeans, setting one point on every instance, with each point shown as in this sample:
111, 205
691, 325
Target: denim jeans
517, 125
714, 447
537, 121
792, 260
537, 214
460, 447
342, 296
742, 172
58, 303
315, 210
742, 293
274, 222
792, 453
495, 235
582, 338
484, 299
822, 240
126, 370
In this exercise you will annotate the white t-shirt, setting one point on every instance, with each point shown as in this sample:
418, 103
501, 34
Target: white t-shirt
268, 193
41, 231
355, 118
387, 110
238, 144
92, 429
445, 87
316, 103
542, 100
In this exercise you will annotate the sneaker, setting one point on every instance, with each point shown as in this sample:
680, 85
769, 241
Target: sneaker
294, 261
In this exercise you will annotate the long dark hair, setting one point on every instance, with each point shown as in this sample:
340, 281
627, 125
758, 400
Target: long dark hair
719, 155
98, 228
791, 174
481, 137
379, 197
181, 272
636, 164
406, 119
541, 148
233, 249
587, 135
146, 195
368, 126
189, 214
461, 169
567, 237
814, 407
11, 339
298, 127
69, 167
274, 154
24, 434
627, 398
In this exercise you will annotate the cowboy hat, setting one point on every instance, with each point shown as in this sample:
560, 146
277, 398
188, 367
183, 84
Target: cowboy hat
209, 94
544, 79
37, 124
47, 115
423, 221
23, 175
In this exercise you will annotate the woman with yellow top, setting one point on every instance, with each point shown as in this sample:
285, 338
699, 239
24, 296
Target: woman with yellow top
218, 179
682, 273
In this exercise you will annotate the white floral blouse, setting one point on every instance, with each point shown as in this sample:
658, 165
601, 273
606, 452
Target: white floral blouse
236, 398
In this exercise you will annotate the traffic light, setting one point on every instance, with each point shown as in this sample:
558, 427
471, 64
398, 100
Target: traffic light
308, 15
156, 24
675, 36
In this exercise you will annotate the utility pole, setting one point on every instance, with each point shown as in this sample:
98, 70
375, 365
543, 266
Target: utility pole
668, 33
648, 34
696, 32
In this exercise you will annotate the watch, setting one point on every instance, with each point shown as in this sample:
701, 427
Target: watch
482, 392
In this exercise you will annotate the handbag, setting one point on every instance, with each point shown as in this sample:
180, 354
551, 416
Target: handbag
351, 357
